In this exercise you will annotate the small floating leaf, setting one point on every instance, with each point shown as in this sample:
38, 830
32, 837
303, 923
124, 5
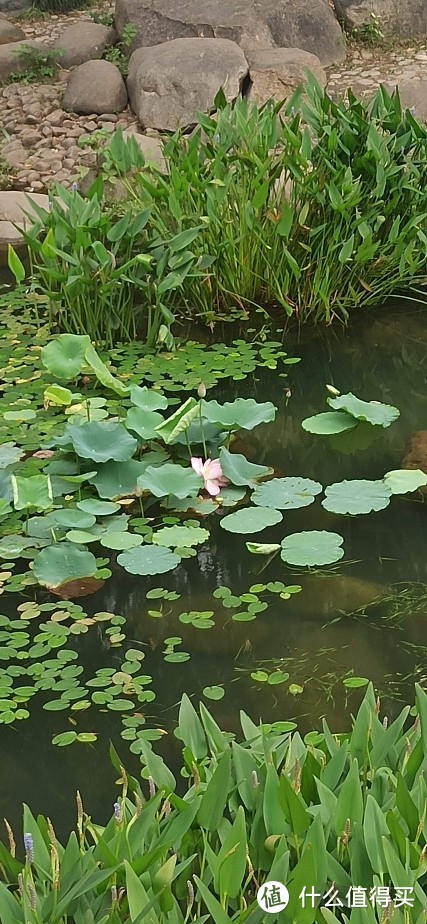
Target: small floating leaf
404, 481
214, 692
251, 520
286, 493
148, 560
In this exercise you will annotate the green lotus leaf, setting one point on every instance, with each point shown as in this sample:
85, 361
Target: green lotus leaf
61, 563
329, 423
121, 540
170, 479
148, 399
9, 454
230, 496
355, 497
315, 547
239, 470
102, 441
251, 520
375, 413
6, 484
23, 415
143, 422
64, 357
262, 548
5, 508
34, 491
57, 395
118, 479
179, 421
181, 536
103, 374
13, 546
71, 518
81, 536
97, 507
404, 481
286, 493
241, 414
150, 559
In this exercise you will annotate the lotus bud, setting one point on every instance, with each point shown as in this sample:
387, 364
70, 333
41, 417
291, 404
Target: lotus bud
201, 390
333, 391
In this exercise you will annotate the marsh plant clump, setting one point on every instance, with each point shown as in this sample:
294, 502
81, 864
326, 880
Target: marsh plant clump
316, 206
334, 817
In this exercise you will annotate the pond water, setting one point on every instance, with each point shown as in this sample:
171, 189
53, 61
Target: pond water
364, 616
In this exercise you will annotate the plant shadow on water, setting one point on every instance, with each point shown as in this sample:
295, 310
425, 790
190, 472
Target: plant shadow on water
298, 658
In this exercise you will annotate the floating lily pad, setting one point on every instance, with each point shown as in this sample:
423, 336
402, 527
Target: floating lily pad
63, 562
151, 559
102, 441
315, 547
251, 520
241, 414
329, 423
182, 536
239, 470
81, 536
24, 415
147, 398
404, 481
9, 454
97, 507
65, 355
286, 493
121, 540
170, 479
71, 518
356, 497
374, 412
214, 692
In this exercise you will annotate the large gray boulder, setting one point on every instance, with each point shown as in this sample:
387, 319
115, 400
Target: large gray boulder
277, 72
96, 86
14, 6
307, 24
83, 41
10, 32
413, 95
405, 18
14, 210
168, 83
13, 60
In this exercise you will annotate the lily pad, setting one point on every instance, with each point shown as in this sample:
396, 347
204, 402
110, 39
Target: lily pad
148, 399
9, 454
181, 536
404, 481
329, 423
97, 507
71, 518
356, 497
214, 692
315, 547
239, 470
121, 540
151, 559
170, 479
374, 412
251, 520
63, 562
143, 422
102, 441
241, 414
286, 493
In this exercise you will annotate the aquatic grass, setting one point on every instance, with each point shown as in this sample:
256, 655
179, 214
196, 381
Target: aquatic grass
318, 207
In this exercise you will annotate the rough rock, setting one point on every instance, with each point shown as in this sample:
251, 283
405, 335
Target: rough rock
167, 83
13, 206
416, 453
277, 72
95, 87
12, 61
14, 153
14, 6
10, 32
151, 148
307, 24
413, 95
83, 41
405, 18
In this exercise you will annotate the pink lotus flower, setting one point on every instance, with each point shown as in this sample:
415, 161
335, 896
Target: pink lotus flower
211, 473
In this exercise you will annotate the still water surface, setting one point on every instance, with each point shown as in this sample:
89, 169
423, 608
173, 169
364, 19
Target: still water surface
315, 635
